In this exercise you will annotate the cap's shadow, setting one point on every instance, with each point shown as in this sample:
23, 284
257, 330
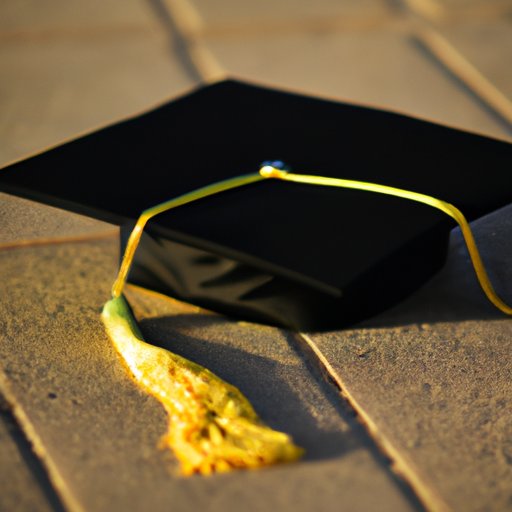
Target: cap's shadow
454, 294
438, 301
272, 386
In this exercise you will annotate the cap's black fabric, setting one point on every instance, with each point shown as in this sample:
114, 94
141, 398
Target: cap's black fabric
299, 256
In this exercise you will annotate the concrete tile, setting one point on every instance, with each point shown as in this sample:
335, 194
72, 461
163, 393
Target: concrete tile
17, 222
67, 67
224, 12
31, 15
20, 489
56, 89
435, 376
380, 68
488, 46
100, 434
461, 4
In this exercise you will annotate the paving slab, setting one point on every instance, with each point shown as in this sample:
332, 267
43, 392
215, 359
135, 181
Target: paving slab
435, 375
20, 490
461, 4
65, 70
381, 68
72, 15
488, 46
98, 434
227, 12
17, 223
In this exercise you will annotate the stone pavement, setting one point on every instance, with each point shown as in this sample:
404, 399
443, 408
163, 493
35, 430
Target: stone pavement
433, 375
410, 410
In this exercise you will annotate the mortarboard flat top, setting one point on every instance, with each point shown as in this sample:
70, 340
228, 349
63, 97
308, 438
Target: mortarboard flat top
287, 254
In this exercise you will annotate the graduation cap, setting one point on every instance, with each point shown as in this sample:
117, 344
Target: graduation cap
288, 254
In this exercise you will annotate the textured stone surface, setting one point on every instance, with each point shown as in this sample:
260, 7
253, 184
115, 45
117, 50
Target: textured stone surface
263, 12
479, 42
17, 222
100, 434
490, 4
385, 69
66, 69
20, 490
435, 375
71, 15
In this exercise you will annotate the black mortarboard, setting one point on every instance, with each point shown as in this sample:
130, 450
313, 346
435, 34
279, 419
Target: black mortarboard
293, 255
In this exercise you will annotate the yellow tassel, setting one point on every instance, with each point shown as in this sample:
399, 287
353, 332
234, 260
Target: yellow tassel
212, 426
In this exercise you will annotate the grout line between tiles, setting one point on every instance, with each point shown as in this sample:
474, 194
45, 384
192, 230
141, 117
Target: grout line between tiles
429, 9
495, 9
78, 33
182, 23
274, 27
456, 64
424, 29
30, 460
400, 464
319, 25
266, 27
54, 476
21, 244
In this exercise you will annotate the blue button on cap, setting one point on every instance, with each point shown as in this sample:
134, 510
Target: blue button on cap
276, 164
